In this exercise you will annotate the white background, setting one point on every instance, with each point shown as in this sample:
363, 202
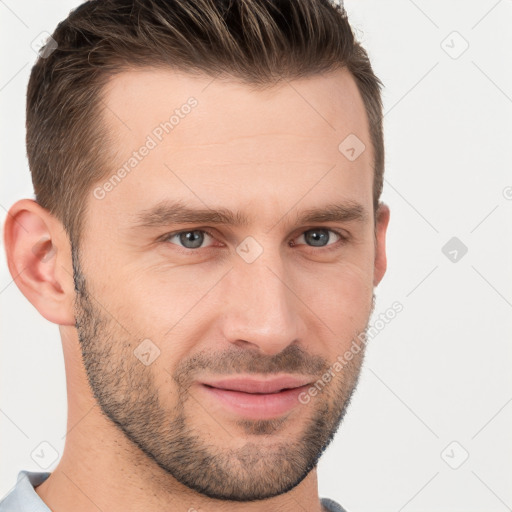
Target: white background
441, 370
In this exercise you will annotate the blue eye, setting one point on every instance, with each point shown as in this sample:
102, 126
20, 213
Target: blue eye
194, 239
319, 237
190, 239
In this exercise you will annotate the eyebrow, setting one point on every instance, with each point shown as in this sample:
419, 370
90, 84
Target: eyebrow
166, 213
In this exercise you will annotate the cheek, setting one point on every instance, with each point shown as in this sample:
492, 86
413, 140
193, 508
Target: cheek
162, 307
341, 298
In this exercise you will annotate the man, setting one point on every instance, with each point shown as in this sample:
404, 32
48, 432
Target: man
207, 233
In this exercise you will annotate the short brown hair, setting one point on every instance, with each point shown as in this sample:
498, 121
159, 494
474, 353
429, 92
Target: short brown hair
257, 42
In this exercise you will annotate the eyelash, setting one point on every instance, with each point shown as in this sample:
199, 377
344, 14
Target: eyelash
343, 239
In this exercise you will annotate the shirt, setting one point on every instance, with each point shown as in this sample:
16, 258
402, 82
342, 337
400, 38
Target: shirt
23, 497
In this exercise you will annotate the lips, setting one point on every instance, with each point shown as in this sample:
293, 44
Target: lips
258, 386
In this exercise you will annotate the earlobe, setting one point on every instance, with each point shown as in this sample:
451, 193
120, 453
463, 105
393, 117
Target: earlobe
382, 222
38, 257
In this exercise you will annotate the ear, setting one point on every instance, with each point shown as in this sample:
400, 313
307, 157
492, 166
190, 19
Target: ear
39, 259
382, 220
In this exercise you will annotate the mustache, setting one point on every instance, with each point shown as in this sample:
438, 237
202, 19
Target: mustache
293, 359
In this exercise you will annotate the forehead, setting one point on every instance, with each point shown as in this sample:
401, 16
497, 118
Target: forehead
329, 105
185, 137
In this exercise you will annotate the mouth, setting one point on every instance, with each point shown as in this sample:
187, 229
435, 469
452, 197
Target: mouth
249, 392
257, 399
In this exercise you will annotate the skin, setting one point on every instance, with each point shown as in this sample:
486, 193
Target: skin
146, 437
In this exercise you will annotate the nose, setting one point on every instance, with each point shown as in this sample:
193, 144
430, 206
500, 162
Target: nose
261, 309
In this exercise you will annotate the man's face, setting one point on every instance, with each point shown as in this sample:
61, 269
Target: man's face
166, 306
